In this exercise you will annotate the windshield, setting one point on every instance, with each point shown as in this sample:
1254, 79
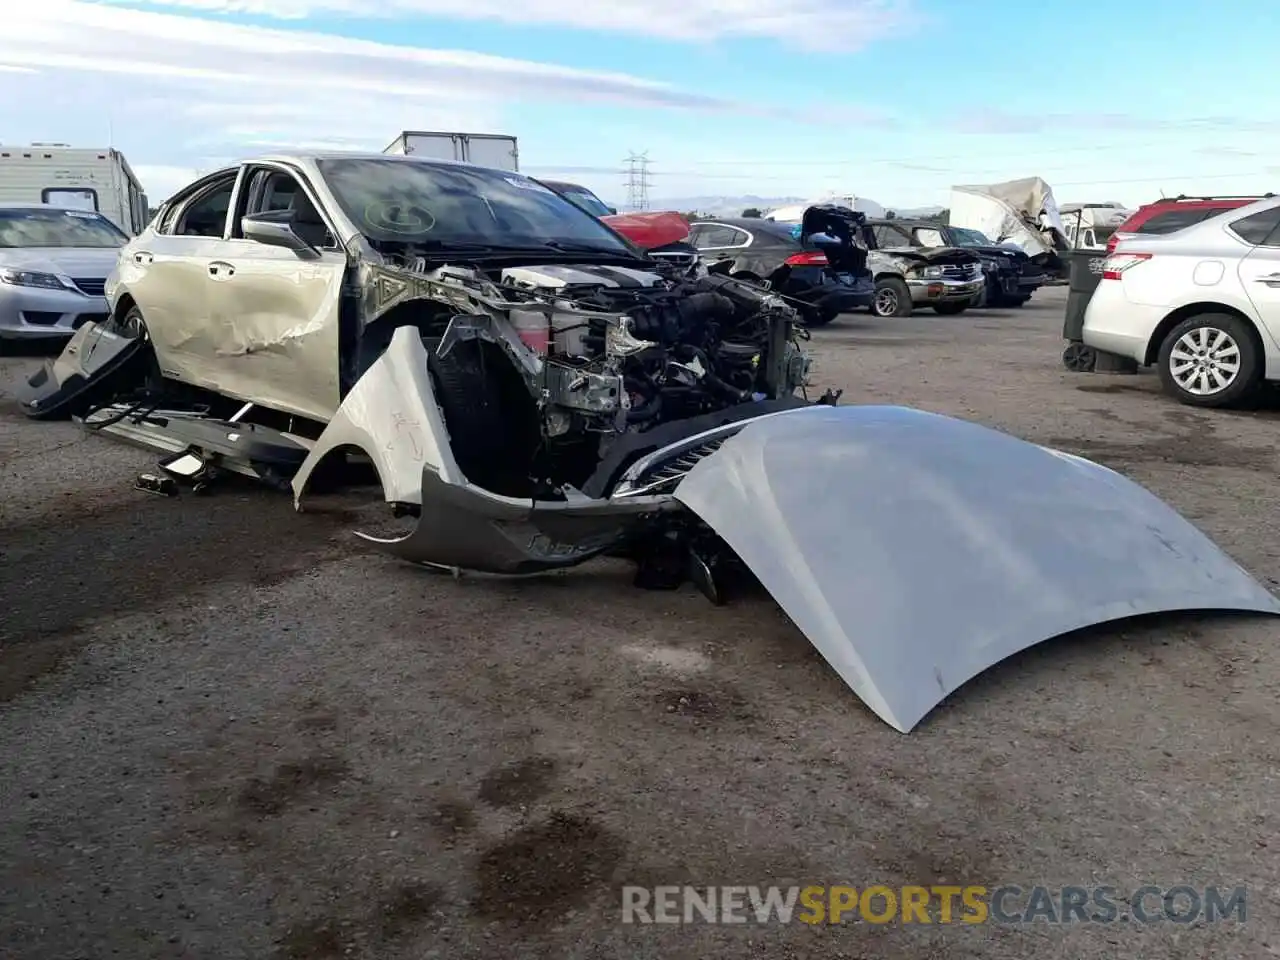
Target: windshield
930, 237
970, 238
588, 201
440, 204
57, 228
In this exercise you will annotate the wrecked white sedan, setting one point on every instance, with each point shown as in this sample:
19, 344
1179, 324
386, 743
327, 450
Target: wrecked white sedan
537, 392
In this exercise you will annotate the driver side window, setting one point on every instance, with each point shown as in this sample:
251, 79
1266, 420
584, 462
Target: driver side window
281, 196
206, 214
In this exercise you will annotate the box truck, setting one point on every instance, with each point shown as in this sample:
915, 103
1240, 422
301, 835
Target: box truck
483, 149
76, 178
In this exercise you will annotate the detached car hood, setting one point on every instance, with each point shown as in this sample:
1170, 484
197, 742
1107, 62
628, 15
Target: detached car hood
649, 231
915, 550
935, 254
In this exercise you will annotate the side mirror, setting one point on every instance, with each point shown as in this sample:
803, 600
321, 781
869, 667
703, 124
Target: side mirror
613, 211
276, 232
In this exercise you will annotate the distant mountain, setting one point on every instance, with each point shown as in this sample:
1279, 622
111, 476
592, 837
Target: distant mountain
911, 212
733, 206
721, 206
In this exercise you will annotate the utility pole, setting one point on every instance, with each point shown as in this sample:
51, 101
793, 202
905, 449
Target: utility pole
638, 180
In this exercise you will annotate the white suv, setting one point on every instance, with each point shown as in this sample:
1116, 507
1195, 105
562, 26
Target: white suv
1202, 303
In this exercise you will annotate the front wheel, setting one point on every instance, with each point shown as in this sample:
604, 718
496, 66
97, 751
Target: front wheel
892, 298
950, 309
1211, 360
143, 374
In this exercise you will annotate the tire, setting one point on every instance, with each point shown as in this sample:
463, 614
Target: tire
950, 309
492, 423
1213, 340
814, 317
145, 366
892, 298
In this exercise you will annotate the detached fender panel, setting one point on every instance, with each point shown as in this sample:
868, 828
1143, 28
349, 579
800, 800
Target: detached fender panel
916, 551
390, 414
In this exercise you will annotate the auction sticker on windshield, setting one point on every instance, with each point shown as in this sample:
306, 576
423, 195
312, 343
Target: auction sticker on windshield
399, 218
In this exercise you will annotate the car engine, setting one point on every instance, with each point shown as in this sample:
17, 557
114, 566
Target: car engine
629, 348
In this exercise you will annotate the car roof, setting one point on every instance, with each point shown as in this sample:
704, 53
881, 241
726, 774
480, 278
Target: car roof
563, 184
308, 159
1242, 205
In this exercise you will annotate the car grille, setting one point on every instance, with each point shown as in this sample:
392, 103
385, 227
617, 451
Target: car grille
957, 271
89, 286
663, 477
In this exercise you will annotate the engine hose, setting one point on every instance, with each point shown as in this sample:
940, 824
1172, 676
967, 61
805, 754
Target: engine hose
712, 379
646, 388
646, 411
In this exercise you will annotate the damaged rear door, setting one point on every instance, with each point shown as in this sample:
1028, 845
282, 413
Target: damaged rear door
273, 311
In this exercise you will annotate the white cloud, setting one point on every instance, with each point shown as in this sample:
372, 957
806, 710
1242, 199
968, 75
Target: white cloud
161, 180
177, 93
808, 24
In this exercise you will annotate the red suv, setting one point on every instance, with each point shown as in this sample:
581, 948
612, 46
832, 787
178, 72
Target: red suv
1173, 213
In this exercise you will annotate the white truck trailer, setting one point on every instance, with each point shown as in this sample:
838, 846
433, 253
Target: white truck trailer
75, 178
494, 150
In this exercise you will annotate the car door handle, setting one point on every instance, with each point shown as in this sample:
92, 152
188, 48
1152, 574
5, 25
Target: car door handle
142, 257
221, 270
1269, 278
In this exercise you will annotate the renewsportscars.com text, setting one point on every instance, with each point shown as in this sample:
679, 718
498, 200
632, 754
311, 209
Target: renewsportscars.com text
937, 904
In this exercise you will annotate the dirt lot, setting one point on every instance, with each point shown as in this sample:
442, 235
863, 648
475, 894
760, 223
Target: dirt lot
231, 732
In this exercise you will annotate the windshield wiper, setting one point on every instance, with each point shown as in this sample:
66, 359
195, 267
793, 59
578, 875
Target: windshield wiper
445, 245
570, 246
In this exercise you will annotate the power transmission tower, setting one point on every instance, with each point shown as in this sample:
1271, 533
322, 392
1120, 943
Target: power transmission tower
638, 180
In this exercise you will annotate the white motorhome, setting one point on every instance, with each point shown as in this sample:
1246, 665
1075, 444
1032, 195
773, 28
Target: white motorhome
74, 178
495, 150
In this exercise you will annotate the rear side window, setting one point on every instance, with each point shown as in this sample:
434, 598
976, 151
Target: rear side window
712, 235
1260, 229
1169, 221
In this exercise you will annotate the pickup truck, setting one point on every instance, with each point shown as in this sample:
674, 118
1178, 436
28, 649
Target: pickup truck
1010, 275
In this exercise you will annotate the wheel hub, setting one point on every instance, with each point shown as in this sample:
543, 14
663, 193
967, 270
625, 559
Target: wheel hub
1079, 358
1205, 361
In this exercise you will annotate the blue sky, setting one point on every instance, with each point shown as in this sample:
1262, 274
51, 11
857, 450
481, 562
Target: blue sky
889, 99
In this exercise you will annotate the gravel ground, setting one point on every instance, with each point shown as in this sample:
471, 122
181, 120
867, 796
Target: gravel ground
231, 732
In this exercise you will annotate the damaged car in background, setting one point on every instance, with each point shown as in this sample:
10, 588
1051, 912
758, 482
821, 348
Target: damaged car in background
818, 265
535, 392
893, 279
1009, 276
1022, 213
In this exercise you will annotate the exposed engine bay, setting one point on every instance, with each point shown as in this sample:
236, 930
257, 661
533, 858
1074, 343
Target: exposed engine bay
599, 351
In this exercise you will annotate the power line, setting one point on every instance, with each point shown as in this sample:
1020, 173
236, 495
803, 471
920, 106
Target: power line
638, 180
